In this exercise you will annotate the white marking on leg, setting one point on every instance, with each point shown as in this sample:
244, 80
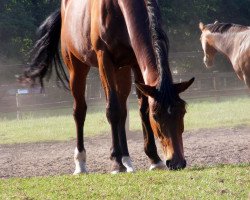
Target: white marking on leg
80, 162
126, 161
159, 165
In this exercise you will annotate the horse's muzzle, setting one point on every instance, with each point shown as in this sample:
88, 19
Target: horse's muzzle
176, 165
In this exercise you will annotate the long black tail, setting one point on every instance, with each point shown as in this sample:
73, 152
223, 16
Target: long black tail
45, 53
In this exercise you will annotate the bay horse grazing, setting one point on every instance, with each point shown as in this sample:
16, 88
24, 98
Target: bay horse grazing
117, 36
233, 41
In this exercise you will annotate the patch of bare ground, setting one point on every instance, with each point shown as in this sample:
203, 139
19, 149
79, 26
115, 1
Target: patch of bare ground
202, 148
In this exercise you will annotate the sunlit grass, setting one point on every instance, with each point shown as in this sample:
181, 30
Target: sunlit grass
58, 125
32, 129
210, 114
227, 113
221, 182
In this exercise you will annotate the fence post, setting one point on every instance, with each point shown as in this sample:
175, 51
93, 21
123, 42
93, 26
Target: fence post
17, 107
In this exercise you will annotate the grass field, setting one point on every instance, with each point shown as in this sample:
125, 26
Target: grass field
221, 182
217, 182
60, 126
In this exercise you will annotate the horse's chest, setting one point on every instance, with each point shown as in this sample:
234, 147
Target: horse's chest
242, 62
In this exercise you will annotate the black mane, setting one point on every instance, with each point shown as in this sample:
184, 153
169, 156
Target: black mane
225, 27
160, 44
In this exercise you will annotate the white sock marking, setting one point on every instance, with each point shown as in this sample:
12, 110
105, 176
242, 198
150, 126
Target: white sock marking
126, 161
159, 165
80, 162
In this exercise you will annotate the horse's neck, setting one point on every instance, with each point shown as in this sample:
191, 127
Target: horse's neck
135, 14
223, 44
229, 45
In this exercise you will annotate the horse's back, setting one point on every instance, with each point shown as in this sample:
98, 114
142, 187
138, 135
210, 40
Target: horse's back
89, 25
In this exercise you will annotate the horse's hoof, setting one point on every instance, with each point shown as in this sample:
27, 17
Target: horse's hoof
158, 166
126, 161
77, 172
80, 162
80, 168
118, 168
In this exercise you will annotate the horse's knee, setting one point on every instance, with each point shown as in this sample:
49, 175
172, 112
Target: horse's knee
123, 114
113, 111
79, 112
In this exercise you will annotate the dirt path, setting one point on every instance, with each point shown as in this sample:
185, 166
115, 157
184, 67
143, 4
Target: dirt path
202, 147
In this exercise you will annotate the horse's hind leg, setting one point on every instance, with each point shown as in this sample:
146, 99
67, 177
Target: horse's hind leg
149, 141
123, 80
78, 73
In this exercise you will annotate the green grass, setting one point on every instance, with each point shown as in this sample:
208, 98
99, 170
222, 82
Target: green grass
49, 128
211, 114
227, 113
221, 182
57, 125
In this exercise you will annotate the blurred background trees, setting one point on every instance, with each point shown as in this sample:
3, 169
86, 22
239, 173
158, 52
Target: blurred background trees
19, 20
181, 18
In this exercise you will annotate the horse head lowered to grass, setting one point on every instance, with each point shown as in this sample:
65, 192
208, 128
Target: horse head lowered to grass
116, 36
233, 41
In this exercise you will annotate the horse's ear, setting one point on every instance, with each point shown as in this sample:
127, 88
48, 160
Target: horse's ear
201, 26
146, 89
181, 87
216, 22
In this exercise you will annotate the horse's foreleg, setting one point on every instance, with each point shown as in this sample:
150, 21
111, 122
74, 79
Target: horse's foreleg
149, 140
244, 76
123, 80
113, 110
78, 73
247, 80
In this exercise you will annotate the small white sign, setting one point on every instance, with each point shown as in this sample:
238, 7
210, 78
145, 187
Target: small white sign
22, 91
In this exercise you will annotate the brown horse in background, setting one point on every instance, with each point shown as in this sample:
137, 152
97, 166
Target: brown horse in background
116, 36
231, 40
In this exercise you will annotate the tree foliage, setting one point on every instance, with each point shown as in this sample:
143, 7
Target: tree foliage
19, 20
